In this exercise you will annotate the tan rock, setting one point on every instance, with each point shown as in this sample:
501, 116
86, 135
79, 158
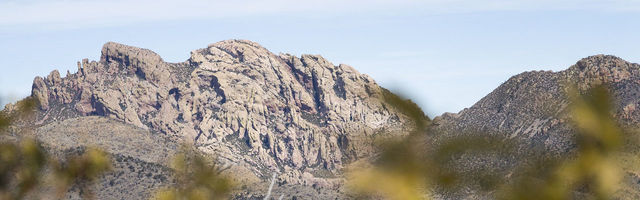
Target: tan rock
237, 100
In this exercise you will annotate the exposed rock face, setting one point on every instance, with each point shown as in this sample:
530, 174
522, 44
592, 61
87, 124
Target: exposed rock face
532, 108
303, 118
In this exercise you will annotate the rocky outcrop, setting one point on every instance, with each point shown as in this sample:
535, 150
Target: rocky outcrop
301, 117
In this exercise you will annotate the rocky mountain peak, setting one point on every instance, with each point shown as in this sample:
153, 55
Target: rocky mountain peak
302, 117
601, 69
237, 48
532, 110
533, 105
112, 51
598, 61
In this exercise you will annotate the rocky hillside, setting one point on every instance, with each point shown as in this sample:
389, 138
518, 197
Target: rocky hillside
533, 105
139, 158
301, 117
532, 109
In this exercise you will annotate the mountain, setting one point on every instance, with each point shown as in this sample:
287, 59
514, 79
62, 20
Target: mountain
259, 113
534, 105
532, 108
302, 118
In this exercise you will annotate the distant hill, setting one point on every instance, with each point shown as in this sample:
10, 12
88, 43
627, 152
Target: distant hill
532, 108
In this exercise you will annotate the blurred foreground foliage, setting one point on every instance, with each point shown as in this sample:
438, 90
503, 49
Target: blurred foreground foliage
407, 170
25, 166
594, 171
197, 178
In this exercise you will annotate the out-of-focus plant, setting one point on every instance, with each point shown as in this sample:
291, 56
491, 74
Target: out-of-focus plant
22, 109
197, 178
5, 121
405, 169
23, 162
21, 167
594, 170
80, 170
400, 173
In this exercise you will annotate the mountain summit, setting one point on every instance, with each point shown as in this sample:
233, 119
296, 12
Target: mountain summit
300, 117
533, 110
534, 105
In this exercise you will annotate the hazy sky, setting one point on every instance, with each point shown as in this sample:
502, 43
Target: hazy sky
445, 55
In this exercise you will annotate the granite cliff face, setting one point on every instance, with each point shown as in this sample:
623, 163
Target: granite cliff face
301, 117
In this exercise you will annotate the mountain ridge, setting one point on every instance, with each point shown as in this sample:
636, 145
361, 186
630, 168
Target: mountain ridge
300, 117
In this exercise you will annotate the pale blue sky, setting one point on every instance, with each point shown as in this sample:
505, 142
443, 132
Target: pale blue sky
445, 55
